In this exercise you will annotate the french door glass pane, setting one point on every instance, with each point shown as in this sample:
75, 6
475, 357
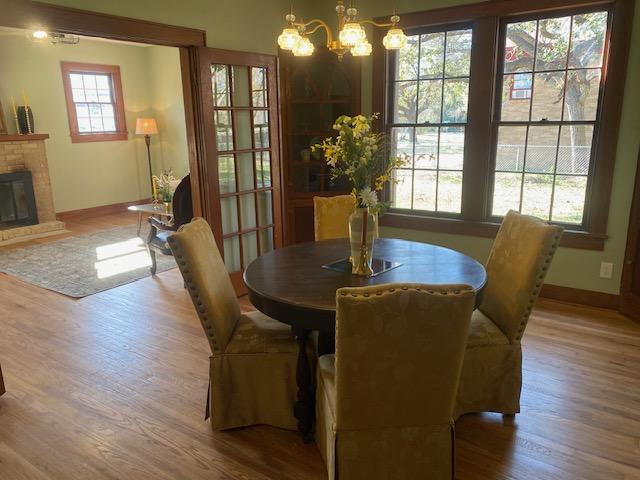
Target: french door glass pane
224, 130
220, 84
245, 171
229, 207
552, 69
241, 91
259, 87
247, 211
243, 130
266, 240
249, 247
265, 209
226, 173
232, 253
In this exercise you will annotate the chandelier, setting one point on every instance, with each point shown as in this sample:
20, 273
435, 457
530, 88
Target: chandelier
352, 37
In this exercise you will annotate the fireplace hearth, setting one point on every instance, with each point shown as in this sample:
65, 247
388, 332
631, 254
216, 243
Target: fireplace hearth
17, 200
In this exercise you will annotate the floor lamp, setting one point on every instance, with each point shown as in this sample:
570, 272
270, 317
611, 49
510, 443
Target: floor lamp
148, 127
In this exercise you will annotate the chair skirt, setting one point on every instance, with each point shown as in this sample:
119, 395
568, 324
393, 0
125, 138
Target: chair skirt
491, 380
401, 453
243, 390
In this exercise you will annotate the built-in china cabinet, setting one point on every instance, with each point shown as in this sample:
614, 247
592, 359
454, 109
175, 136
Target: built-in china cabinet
315, 91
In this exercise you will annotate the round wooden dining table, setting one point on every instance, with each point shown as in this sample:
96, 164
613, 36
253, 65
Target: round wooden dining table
293, 285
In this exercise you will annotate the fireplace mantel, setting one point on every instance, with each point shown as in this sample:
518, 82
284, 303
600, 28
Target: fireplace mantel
24, 138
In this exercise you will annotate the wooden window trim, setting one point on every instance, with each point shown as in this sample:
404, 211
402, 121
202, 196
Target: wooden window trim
486, 19
121, 125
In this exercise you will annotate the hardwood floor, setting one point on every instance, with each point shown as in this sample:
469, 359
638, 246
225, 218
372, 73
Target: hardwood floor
113, 386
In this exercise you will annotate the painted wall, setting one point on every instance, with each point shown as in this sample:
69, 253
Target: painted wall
261, 22
85, 175
169, 148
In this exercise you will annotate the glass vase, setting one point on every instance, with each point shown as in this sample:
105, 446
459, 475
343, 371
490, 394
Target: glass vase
363, 229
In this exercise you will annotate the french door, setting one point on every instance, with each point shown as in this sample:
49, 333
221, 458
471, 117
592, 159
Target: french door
240, 109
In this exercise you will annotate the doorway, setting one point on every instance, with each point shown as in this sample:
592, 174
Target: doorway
630, 288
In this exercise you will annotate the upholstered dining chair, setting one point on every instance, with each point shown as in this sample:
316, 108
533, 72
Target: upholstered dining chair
252, 375
491, 377
384, 401
331, 216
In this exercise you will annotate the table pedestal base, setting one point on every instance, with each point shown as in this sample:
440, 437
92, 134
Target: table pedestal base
305, 406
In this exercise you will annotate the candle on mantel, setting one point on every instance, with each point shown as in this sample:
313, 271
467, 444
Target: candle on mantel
24, 98
15, 115
155, 191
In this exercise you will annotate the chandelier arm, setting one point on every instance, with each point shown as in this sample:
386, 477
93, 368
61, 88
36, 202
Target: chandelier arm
376, 24
318, 25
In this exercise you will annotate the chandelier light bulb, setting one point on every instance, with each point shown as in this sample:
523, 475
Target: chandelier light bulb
39, 34
395, 39
352, 34
304, 48
289, 38
362, 49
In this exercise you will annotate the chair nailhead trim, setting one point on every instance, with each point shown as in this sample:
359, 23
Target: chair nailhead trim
538, 287
378, 293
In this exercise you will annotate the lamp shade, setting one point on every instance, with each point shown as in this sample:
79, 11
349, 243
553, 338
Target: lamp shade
146, 126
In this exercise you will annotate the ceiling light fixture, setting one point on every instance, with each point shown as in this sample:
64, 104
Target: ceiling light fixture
39, 35
352, 37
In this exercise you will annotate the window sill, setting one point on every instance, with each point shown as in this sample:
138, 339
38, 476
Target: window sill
570, 239
98, 137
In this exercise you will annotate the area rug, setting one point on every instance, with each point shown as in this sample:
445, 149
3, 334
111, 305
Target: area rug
86, 264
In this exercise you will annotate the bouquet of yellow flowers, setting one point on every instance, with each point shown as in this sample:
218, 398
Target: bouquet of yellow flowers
361, 155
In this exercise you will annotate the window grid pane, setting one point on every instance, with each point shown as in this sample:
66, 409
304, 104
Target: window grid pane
431, 92
552, 91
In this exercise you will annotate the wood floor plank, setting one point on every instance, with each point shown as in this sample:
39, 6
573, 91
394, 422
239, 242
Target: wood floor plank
113, 386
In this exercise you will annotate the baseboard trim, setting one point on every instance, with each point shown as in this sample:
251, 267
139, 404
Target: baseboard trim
98, 211
581, 297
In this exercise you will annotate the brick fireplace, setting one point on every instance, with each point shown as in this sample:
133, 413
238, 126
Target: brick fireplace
27, 152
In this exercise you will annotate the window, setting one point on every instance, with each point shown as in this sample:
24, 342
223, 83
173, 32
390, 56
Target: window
94, 102
431, 91
544, 144
520, 87
505, 111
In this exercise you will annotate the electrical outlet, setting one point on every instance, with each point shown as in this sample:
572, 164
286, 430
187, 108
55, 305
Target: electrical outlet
606, 270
